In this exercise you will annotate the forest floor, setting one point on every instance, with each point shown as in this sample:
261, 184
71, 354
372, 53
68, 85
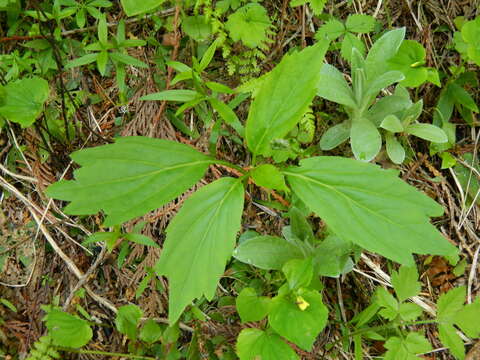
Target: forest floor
43, 261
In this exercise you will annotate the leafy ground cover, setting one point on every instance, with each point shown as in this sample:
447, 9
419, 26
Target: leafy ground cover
239, 179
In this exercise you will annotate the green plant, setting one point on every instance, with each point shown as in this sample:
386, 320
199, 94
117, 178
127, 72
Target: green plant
467, 40
410, 61
133, 7
401, 341
248, 25
395, 113
22, 101
334, 29
104, 51
137, 174
43, 349
81, 9
456, 93
316, 5
204, 99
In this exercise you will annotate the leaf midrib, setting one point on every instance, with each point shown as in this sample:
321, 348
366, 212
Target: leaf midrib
148, 174
206, 232
310, 179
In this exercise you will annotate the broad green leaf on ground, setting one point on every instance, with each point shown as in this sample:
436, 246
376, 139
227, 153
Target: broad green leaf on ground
452, 311
333, 87
135, 7
406, 348
127, 320
130, 177
383, 50
405, 282
249, 24
200, 239
369, 206
197, 27
299, 273
267, 252
255, 344
299, 325
335, 135
365, 139
360, 23
427, 132
269, 176
410, 60
252, 307
67, 330
21, 101
284, 97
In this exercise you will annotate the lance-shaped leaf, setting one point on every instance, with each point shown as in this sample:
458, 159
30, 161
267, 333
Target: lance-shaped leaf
200, 239
130, 178
383, 50
284, 97
333, 86
369, 206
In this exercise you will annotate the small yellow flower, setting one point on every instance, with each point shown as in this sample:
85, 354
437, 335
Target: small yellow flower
302, 303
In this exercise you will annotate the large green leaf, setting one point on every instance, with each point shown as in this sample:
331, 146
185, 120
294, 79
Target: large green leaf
67, 330
135, 7
130, 178
255, 344
22, 101
370, 207
200, 239
267, 252
428, 132
252, 307
284, 97
333, 86
382, 51
300, 325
